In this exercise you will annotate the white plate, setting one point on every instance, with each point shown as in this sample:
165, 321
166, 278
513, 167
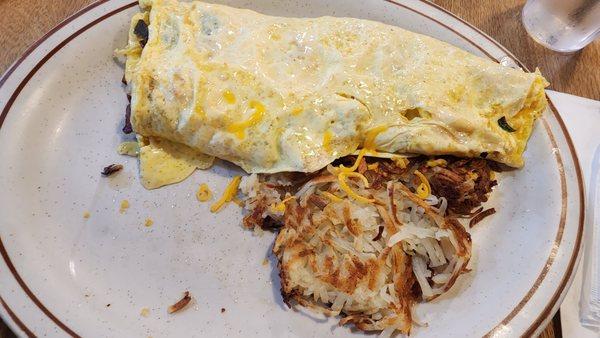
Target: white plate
62, 106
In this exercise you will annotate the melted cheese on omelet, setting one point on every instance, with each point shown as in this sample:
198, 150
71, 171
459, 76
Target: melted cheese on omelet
163, 162
278, 94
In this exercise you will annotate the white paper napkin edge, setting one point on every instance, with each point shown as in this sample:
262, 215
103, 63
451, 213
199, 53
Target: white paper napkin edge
579, 114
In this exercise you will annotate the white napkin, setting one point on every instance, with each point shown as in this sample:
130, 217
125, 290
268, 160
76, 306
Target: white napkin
590, 291
582, 119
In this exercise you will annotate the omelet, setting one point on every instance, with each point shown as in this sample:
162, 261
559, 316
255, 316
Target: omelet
274, 94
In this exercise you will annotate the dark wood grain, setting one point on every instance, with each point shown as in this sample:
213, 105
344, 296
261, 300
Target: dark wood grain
25, 21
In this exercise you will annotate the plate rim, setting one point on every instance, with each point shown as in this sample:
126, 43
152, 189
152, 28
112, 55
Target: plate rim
535, 325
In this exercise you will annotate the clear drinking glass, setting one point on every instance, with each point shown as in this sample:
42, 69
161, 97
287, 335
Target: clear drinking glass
562, 25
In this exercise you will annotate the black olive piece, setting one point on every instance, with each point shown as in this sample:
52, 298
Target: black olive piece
504, 125
128, 128
141, 31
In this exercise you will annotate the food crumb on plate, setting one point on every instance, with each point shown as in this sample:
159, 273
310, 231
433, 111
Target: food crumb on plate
148, 222
181, 303
265, 261
222, 310
111, 169
145, 312
124, 206
203, 194
129, 148
86, 214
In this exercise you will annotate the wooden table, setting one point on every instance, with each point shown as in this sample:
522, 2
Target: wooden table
24, 21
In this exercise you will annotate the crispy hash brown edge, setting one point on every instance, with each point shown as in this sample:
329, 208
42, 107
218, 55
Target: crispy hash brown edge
402, 273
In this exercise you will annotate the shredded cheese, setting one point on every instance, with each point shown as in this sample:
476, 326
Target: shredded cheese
280, 207
401, 162
148, 222
229, 96
327, 140
359, 176
228, 194
203, 194
371, 135
342, 181
373, 166
361, 154
424, 189
331, 196
472, 175
198, 109
238, 202
369, 146
435, 163
296, 111
239, 128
